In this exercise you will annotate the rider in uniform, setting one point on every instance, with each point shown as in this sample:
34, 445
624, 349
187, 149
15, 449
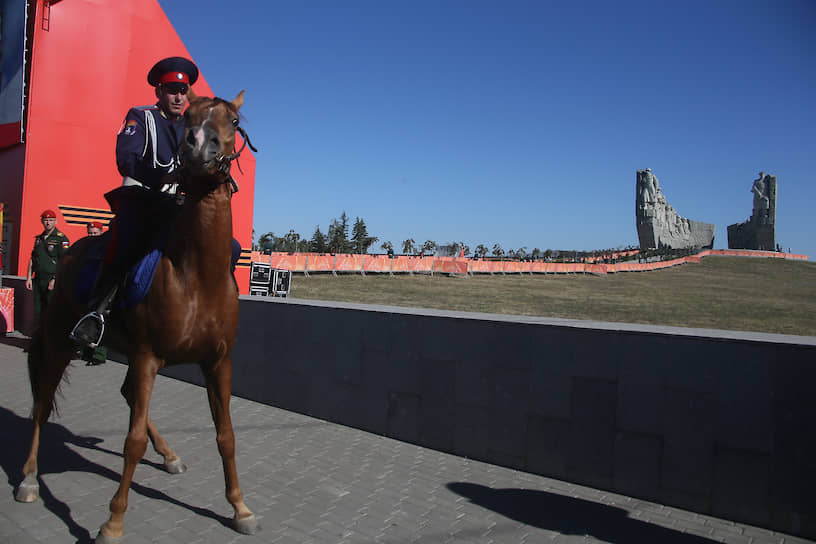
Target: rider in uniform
99, 354
147, 155
49, 246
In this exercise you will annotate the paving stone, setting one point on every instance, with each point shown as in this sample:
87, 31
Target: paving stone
307, 480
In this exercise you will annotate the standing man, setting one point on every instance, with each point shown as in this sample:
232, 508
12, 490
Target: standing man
49, 247
148, 156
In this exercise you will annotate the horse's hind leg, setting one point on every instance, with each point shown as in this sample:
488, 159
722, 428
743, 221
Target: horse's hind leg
172, 462
47, 361
219, 383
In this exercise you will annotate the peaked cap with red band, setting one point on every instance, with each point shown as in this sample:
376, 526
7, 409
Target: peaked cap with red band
173, 70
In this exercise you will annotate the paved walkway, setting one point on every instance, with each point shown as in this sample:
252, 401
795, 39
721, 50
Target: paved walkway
307, 480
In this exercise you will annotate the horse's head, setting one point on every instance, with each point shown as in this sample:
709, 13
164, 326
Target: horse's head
209, 136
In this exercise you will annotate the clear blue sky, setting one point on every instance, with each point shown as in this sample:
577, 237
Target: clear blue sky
515, 122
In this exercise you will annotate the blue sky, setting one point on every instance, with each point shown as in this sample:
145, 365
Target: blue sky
515, 122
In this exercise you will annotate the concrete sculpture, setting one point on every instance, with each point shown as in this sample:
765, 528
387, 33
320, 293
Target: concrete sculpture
659, 225
759, 232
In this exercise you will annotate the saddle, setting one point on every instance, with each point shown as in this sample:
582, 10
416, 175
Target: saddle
139, 277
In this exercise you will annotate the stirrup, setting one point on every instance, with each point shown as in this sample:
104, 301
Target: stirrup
89, 330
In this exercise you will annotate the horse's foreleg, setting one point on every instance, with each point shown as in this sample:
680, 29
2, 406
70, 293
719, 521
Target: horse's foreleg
219, 384
46, 366
142, 375
172, 462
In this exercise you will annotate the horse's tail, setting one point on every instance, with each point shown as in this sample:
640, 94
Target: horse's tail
38, 369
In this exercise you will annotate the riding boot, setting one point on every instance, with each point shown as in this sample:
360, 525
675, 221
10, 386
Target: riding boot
89, 329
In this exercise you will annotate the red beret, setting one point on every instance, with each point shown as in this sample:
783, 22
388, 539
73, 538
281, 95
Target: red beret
94, 225
48, 214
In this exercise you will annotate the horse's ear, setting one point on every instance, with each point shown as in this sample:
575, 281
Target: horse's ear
190, 94
238, 101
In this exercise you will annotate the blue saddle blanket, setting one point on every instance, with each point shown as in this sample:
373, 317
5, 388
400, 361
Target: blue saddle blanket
138, 282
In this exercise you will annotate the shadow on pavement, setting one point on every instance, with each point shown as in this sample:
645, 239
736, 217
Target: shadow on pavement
57, 458
570, 515
17, 341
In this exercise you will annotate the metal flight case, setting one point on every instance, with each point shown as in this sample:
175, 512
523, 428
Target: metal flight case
266, 281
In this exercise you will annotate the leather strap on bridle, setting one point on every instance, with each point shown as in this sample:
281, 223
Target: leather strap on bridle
225, 161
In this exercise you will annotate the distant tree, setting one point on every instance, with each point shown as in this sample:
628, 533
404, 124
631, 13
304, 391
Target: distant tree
428, 247
360, 239
254, 245
385, 246
548, 253
465, 249
408, 247
497, 250
318, 243
536, 254
481, 251
338, 235
290, 241
521, 253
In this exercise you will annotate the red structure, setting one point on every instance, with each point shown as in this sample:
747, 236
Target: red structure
86, 64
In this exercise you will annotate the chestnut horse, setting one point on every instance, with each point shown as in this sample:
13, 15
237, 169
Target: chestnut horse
189, 315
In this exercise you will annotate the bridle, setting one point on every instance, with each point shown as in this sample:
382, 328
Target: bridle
223, 162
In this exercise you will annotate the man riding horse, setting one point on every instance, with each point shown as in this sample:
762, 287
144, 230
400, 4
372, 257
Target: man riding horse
147, 155
189, 311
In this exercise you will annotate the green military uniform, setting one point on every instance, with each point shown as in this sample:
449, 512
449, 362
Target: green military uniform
48, 249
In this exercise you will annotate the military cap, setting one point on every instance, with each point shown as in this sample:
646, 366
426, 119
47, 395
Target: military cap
95, 225
48, 214
173, 70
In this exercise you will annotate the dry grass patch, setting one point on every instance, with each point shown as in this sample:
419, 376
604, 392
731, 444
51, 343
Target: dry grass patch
751, 294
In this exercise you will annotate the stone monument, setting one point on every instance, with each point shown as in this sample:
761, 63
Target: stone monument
659, 225
759, 232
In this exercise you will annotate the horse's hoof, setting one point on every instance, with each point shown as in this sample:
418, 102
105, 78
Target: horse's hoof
29, 490
247, 526
102, 539
175, 467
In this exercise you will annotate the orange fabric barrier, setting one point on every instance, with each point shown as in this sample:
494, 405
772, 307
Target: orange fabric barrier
450, 266
314, 262
321, 263
377, 263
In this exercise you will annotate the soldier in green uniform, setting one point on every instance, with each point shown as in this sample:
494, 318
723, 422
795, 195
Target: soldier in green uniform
42, 268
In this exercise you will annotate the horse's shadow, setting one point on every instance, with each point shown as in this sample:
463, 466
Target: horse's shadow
570, 515
56, 458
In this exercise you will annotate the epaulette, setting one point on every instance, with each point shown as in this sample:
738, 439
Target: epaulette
60, 234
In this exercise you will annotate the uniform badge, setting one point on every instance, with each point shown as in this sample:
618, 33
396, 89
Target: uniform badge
65, 243
130, 128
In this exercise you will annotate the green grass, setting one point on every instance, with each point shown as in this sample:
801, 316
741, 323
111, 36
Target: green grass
749, 294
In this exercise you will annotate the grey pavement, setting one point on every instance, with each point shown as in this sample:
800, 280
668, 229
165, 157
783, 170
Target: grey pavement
308, 481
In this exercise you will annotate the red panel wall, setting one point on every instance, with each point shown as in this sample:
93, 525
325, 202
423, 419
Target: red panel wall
89, 65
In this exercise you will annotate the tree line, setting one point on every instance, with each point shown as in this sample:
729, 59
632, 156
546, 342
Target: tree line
338, 240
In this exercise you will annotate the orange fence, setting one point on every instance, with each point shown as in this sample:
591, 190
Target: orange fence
382, 264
